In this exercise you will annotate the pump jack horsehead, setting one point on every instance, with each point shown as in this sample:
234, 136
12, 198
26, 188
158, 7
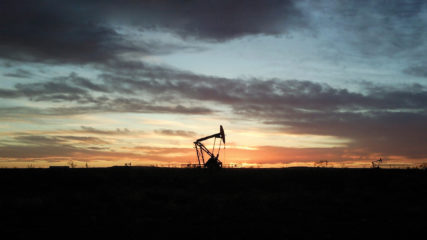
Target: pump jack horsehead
213, 161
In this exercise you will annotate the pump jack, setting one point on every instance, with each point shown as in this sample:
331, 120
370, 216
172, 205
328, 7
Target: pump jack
376, 163
213, 161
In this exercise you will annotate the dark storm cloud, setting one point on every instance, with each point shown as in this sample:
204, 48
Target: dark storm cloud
82, 32
85, 31
218, 20
53, 31
67, 32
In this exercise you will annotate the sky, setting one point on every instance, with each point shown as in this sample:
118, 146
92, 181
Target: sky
105, 83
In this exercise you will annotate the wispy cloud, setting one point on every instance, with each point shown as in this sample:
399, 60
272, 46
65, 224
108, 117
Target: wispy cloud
19, 73
92, 130
179, 133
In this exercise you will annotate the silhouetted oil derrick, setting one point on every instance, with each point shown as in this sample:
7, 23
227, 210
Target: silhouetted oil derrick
213, 162
380, 163
322, 163
376, 163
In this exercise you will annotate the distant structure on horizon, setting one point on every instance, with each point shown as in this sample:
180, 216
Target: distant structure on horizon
322, 163
213, 161
59, 167
380, 163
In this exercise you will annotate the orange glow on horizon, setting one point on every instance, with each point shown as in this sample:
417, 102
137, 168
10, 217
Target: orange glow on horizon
252, 157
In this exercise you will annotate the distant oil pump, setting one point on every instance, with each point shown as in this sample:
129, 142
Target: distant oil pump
376, 163
322, 163
213, 162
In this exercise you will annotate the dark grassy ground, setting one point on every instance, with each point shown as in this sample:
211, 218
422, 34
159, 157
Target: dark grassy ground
138, 203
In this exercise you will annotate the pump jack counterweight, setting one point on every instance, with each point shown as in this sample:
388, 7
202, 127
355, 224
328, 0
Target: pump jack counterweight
213, 161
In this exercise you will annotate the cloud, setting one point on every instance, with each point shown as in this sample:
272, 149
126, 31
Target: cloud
150, 154
83, 139
82, 32
86, 83
219, 20
389, 133
395, 29
25, 113
39, 140
105, 36
418, 71
8, 93
36, 151
38, 148
50, 91
62, 153
19, 73
48, 32
379, 118
79, 94
91, 130
171, 132
254, 92
97, 32
58, 139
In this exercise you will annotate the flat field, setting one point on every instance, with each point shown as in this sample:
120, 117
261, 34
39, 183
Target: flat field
138, 203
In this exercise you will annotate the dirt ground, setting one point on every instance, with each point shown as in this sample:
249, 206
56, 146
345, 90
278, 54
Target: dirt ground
147, 203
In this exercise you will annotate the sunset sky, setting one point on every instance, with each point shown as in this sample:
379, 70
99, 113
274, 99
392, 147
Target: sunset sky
292, 82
